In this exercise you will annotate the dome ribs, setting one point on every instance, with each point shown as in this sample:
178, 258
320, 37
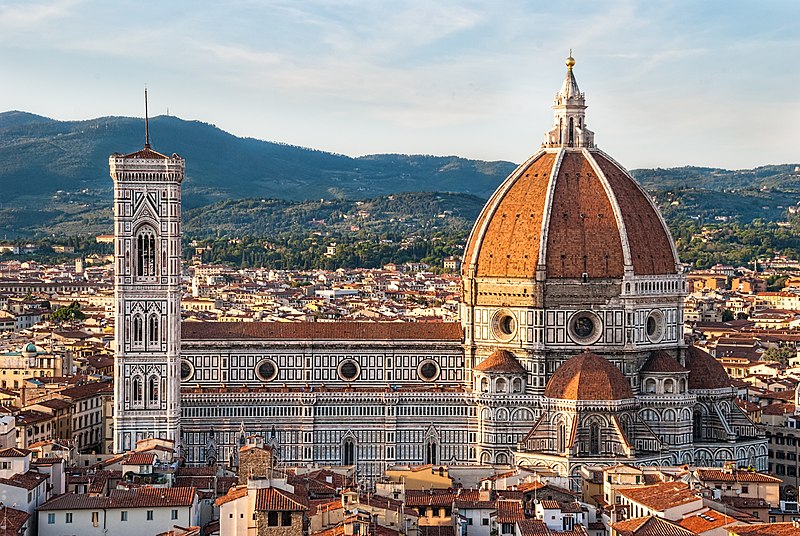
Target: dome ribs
510, 244
583, 236
650, 245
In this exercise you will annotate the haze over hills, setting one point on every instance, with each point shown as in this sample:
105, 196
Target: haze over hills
54, 174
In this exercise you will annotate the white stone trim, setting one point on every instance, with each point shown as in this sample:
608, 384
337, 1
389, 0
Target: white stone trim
546, 211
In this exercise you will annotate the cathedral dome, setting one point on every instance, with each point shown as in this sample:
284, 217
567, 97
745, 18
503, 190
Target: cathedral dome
569, 212
588, 376
705, 372
501, 361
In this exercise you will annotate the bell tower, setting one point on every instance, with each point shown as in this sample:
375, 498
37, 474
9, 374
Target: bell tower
147, 258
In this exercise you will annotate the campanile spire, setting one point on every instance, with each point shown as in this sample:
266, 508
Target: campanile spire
569, 127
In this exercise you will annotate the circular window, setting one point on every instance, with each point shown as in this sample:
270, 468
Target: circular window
585, 327
187, 370
504, 325
266, 370
428, 370
654, 326
349, 370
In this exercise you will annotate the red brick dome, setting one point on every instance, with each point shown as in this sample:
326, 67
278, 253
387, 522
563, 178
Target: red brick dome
588, 376
705, 372
573, 211
501, 361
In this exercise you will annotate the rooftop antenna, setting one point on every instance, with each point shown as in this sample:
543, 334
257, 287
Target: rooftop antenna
146, 122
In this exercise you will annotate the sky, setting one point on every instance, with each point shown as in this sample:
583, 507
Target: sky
668, 83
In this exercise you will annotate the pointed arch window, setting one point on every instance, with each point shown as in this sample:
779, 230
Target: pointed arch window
431, 453
146, 252
594, 438
348, 452
137, 390
697, 425
138, 329
571, 131
152, 329
152, 390
561, 439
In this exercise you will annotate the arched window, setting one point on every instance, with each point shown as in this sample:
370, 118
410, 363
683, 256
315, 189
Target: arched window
561, 439
146, 252
501, 385
682, 386
594, 438
348, 452
152, 389
650, 386
669, 386
137, 388
152, 329
484, 385
571, 131
517, 386
138, 329
697, 425
431, 453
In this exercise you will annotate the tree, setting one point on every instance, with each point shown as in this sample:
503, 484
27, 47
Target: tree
727, 315
67, 314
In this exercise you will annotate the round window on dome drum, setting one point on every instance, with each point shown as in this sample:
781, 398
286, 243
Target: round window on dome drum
654, 325
428, 370
504, 325
266, 370
187, 370
349, 370
585, 327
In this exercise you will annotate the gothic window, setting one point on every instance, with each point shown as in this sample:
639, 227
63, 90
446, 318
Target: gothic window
431, 453
138, 329
137, 389
152, 329
152, 389
571, 131
594, 439
348, 452
697, 425
561, 440
146, 252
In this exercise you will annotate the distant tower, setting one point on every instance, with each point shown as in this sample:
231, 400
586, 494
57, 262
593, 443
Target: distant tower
79, 265
147, 253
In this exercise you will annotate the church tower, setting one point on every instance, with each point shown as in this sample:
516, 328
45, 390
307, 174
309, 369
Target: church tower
147, 256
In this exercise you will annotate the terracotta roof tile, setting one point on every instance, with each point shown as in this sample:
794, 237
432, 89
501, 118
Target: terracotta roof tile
661, 361
501, 361
133, 498
390, 331
650, 242
705, 372
765, 529
650, 526
583, 236
660, 497
509, 246
588, 376
278, 499
737, 475
706, 521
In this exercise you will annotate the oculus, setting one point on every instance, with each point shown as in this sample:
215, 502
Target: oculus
187, 370
266, 370
585, 327
348, 370
428, 370
504, 325
654, 325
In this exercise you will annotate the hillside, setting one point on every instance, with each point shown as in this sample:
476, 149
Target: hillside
54, 175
